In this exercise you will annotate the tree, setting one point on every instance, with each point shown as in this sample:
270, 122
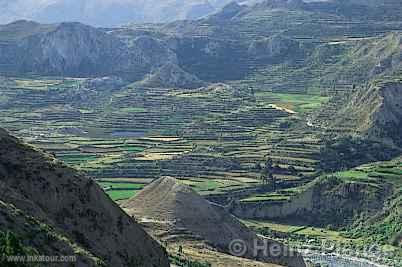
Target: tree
267, 175
292, 169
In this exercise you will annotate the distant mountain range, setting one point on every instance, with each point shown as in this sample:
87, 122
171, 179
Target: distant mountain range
109, 12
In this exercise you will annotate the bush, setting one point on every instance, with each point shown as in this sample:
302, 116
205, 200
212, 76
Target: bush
11, 245
187, 263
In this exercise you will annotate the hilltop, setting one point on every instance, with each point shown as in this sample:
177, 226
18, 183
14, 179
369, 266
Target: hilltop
55, 210
180, 210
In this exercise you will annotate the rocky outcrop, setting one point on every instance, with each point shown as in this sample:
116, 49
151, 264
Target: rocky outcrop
179, 209
374, 111
379, 110
274, 47
38, 186
171, 76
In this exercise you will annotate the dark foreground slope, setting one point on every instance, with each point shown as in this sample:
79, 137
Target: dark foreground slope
57, 211
182, 210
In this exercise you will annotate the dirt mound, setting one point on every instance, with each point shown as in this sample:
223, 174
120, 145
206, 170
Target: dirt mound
66, 213
181, 209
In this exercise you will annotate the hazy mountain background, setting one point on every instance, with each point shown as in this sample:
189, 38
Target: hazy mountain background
112, 12
108, 12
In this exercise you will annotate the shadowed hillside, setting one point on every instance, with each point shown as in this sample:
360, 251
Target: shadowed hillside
58, 211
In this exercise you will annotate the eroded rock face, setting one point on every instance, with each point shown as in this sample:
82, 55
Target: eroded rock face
74, 206
327, 202
377, 110
387, 119
74, 49
274, 47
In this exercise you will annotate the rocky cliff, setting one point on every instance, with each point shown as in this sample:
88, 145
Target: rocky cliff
374, 111
379, 110
329, 201
61, 212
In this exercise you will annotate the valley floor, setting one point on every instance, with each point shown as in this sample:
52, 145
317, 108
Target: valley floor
215, 139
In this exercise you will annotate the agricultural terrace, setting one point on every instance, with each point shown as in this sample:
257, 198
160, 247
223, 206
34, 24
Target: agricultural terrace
215, 139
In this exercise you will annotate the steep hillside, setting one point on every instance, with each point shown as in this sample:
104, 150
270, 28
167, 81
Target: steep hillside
382, 225
373, 110
355, 209
367, 59
44, 240
180, 209
326, 202
364, 200
378, 110
78, 216
74, 49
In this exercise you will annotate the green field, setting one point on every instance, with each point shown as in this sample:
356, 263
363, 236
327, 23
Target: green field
120, 189
118, 195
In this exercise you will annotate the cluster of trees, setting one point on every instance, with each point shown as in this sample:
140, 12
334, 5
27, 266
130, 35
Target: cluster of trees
267, 173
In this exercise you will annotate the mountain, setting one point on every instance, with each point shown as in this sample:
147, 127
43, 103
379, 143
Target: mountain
108, 13
58, 211
180, 209
231, 44
75, 49
103, 12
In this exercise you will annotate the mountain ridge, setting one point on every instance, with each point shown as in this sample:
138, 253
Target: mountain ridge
72, 205
108, 13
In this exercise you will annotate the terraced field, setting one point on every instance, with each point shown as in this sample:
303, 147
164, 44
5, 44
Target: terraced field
378, 229
215, 138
